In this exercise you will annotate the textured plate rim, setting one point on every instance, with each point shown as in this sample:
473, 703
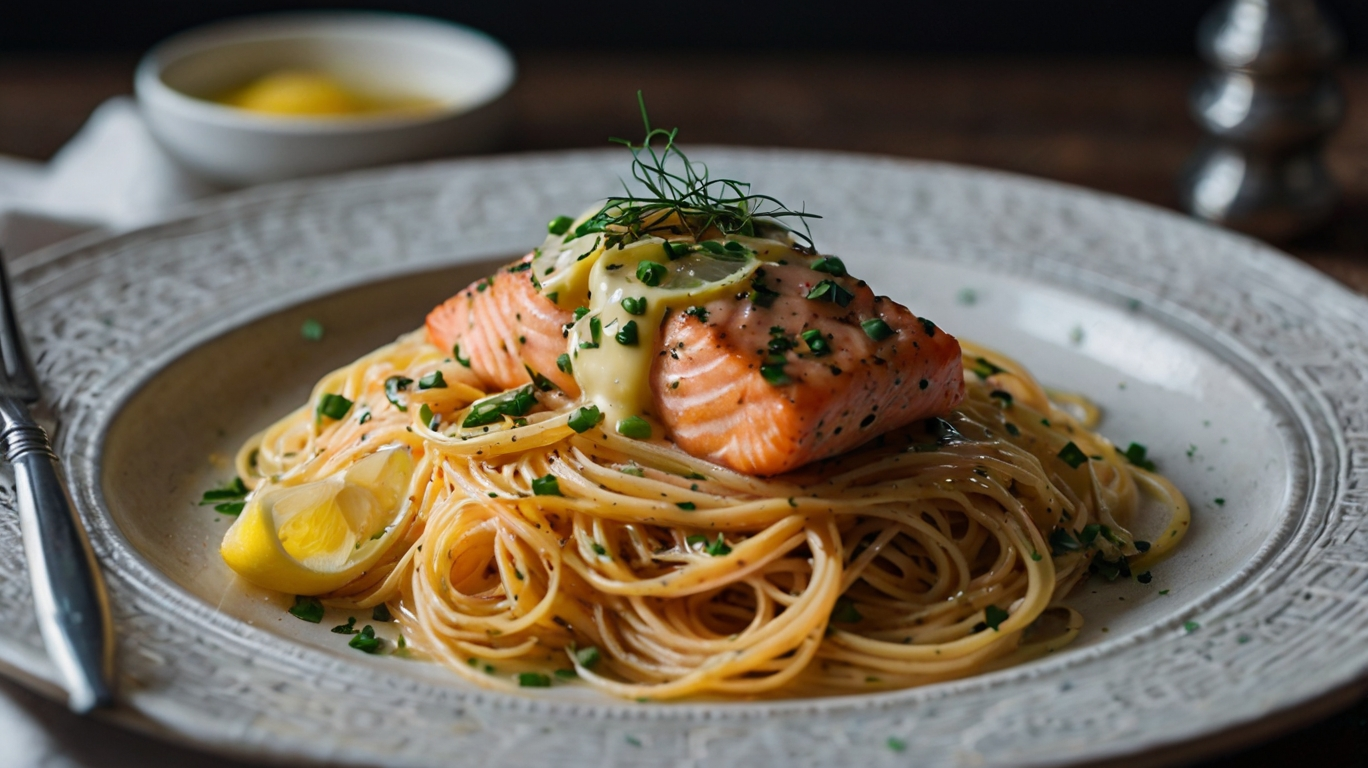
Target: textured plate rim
1290, 530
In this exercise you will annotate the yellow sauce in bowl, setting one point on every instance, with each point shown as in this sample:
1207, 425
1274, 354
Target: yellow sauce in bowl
303, 93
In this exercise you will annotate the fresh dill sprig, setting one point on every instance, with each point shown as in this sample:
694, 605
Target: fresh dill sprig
681, 198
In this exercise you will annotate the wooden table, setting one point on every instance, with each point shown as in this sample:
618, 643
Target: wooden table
1118, 126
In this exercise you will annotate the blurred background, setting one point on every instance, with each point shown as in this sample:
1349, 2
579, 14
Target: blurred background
1086, 92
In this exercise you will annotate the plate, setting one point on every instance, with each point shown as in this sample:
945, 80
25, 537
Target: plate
1241, 369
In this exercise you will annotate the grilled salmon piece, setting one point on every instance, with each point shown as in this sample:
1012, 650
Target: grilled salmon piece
762, 388
716, 391
504, 326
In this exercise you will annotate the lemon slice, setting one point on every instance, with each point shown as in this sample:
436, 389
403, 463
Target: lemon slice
315, 537
703, 272
613, 346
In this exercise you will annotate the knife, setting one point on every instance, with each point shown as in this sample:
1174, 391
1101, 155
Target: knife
68, 592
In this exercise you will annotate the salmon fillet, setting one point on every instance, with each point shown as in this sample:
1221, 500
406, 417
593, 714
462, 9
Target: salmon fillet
718, 384
504, 326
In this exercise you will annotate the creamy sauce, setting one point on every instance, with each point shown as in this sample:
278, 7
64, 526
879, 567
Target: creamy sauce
580, 272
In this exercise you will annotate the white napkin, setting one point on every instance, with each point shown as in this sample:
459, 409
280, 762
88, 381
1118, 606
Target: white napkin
111, 175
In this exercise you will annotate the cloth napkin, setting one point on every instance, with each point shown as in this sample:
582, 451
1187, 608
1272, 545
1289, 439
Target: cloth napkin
112, 175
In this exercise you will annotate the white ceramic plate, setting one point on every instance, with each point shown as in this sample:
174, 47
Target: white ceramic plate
1241, 370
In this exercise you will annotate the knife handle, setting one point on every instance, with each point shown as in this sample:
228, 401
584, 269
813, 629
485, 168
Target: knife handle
68, 592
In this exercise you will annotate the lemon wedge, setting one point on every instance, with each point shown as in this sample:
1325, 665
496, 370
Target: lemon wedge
315, 537
614, 344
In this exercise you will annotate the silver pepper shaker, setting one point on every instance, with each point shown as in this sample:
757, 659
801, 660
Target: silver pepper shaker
1268, 104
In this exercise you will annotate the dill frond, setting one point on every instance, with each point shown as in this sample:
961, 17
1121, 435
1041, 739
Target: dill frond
682, 199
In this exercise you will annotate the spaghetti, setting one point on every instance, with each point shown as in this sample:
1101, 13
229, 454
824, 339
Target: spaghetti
933, 553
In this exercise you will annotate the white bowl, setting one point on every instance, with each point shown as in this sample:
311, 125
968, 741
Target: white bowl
463, 71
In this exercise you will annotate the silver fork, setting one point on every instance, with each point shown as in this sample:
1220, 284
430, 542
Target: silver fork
68, 592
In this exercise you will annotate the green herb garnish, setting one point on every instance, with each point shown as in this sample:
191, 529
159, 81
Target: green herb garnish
1072, 455
993, 616
381, 612
559, 225
433, 380
307, 609
651, 272
775, 374
627, 335
634, 306
393, 386
681, 198
429, 419
346, 629
533, 680
595, 334
816, 342
634, 427
830, 265
983, 369
227, 500
366, 641
546, 486
876, 329
1062, 541
699, 312
585, 418
456, 353
828, 290
515, 402
333, 406
564, 364
1135, 454
587, 657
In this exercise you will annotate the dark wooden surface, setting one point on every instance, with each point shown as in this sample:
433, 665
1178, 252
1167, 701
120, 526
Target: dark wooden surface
1119, 126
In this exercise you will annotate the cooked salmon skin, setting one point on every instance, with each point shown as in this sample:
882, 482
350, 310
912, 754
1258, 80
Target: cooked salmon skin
763, 382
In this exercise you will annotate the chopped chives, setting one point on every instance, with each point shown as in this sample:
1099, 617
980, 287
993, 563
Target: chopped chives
456, 353
393, 386
333, 406
433, 380
307, 609
1072, 455
830, 265
546, 486
516, 402
816, 342
533, 680
775, 374
585, 418
366, 641
876, 329
634, 427
559, 225
827, 290
650, 272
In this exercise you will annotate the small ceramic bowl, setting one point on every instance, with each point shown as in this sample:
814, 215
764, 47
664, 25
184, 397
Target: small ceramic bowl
463, 73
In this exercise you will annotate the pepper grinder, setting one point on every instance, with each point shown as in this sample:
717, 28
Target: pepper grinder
1267, 104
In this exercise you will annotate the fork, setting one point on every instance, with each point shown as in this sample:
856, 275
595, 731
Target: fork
68, 592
